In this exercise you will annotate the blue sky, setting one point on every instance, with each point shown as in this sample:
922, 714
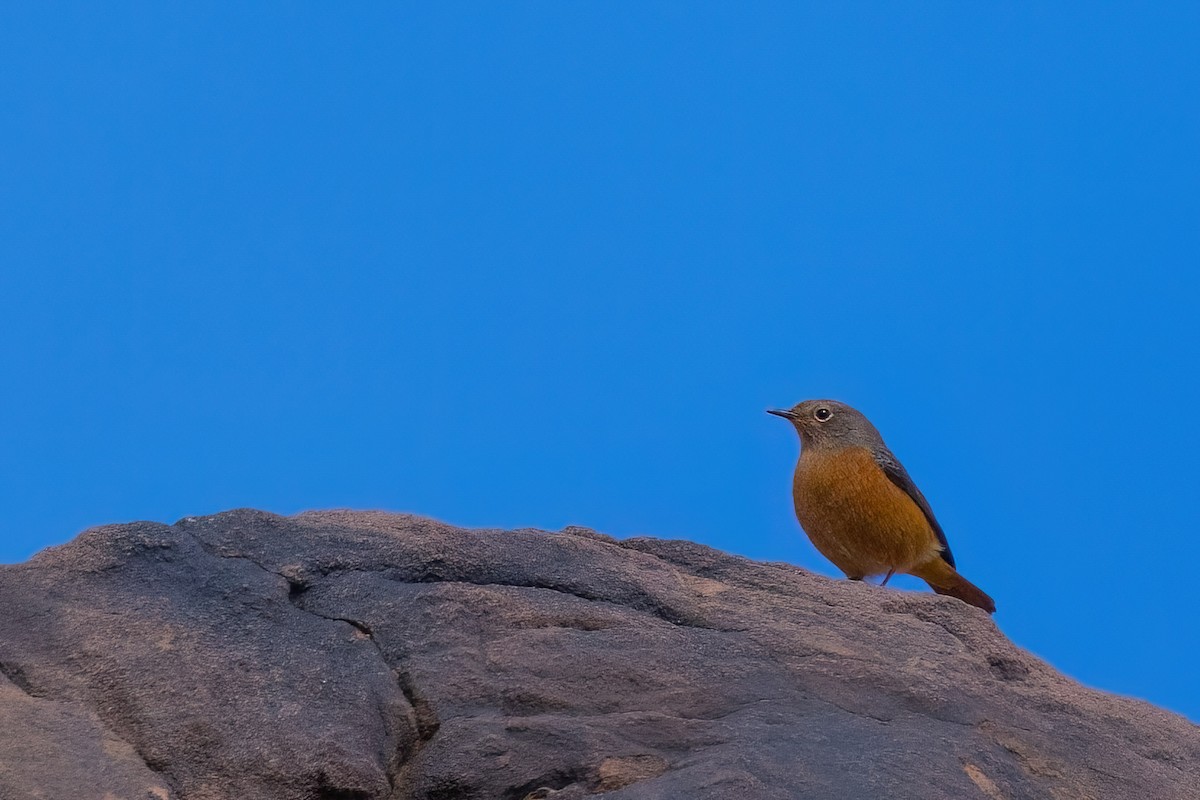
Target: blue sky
539, 264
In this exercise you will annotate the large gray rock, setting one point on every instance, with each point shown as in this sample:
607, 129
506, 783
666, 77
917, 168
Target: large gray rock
343, 656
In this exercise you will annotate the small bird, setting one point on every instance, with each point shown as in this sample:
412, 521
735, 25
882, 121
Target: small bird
860, 508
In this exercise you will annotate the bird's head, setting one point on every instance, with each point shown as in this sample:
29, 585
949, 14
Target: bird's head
828, 423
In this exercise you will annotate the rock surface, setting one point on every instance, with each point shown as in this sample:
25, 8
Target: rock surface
346, 656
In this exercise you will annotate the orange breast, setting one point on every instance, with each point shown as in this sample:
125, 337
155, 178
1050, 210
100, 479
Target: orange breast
856, 517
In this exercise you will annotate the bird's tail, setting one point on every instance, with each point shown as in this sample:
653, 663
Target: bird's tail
943, 579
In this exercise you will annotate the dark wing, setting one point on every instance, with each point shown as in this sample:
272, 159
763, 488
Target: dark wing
898, 475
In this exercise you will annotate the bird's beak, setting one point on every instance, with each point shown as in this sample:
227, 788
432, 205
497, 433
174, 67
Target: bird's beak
780, 412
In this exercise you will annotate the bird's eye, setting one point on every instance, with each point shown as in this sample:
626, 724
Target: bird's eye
822, 414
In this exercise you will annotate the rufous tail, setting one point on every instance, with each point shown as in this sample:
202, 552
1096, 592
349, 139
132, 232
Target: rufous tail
943, 579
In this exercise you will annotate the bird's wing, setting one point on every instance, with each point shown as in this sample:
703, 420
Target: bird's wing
898, 475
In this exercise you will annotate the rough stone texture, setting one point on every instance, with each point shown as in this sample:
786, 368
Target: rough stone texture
345, 656
50, 750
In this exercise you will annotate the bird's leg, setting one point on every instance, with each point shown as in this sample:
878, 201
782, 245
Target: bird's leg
888, 577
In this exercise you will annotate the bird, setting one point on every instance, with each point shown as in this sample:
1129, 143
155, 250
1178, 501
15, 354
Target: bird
860, 508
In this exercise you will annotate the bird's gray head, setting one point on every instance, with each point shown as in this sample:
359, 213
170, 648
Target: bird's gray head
828, 423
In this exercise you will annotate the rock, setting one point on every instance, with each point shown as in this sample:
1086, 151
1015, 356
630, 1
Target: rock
347, 656
51, 749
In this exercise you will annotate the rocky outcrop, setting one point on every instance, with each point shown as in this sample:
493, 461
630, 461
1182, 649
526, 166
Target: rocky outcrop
342, 655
